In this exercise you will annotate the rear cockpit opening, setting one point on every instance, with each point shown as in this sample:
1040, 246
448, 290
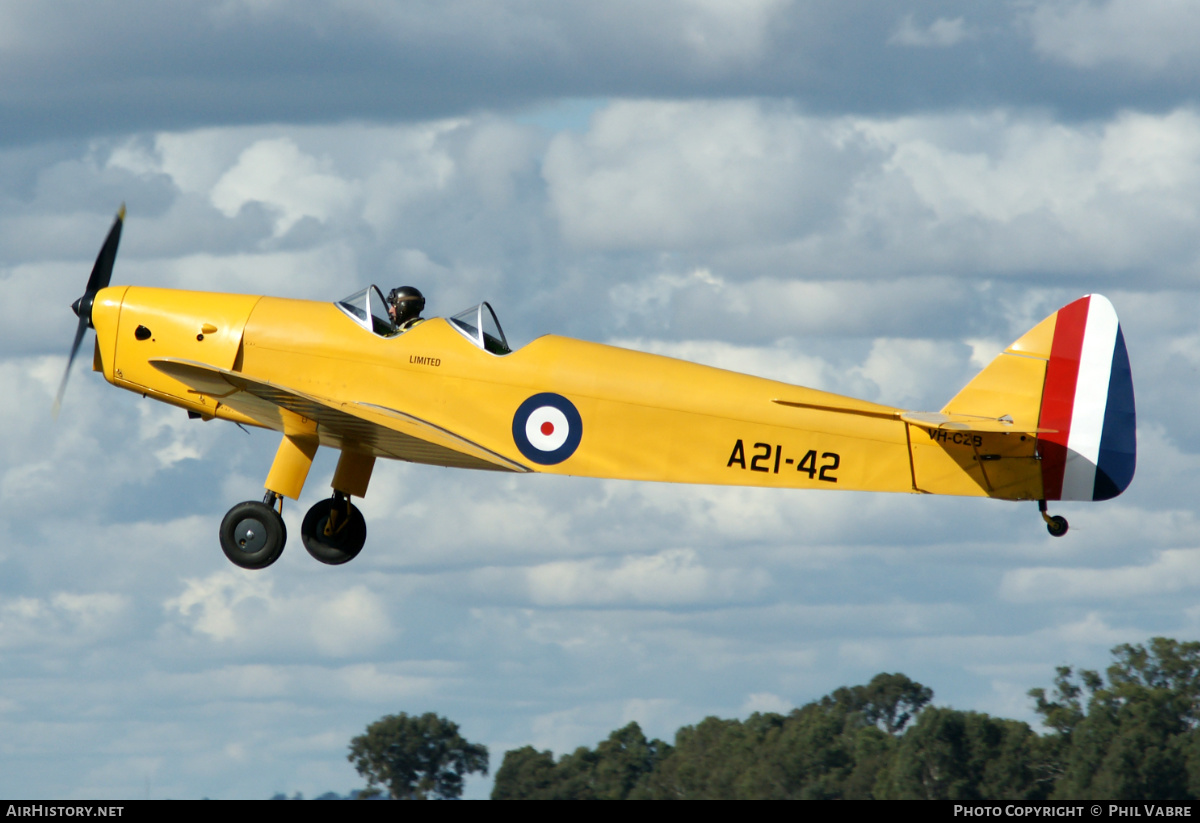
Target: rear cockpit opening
479, 325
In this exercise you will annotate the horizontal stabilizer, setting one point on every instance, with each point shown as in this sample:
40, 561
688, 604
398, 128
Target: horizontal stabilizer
967, 422
926, 420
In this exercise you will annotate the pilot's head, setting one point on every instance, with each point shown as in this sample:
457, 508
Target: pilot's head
404, 304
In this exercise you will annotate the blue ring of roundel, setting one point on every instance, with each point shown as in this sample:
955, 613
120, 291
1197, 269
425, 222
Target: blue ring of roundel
574, 428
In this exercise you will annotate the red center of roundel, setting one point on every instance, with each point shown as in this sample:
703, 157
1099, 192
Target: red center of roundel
547, 428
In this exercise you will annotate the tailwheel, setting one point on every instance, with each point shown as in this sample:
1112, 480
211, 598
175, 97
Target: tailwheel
253, 534
1055, 524
334, 530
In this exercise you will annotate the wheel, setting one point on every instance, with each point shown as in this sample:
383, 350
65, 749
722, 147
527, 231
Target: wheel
334, 531
253, 535
1057, 526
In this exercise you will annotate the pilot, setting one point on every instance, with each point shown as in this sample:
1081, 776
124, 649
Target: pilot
405, 305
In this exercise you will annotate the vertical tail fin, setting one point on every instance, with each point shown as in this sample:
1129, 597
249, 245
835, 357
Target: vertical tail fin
1069, 379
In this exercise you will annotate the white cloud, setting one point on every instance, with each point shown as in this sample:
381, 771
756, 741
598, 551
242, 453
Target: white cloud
1030, 167
496, 155
1093, 628
671, 175
194, 161
1075, 198
244, 610
294, 184
326, 272
765, 702
670, 578
1145, 34
421, 166
652, 297
941, 33
383, 683
65, 619
912, 372
561, 731
711, 34
1173, 570
210, 604
351, 623
67, 458
726, 31
991, 193
465, 519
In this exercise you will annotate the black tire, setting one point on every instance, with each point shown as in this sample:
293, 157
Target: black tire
253, 535
340, 543
1057, 526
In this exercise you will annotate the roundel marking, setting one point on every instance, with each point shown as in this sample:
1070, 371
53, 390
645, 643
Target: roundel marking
547, 428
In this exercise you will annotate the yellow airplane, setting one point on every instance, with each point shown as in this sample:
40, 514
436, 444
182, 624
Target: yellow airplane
1051, 418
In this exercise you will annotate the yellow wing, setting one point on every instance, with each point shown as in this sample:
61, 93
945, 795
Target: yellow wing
361, 427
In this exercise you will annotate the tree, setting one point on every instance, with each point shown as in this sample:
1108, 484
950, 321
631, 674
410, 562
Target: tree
615, 770
1136, 737
526, 774
623, 760
889, 700
416, 758
835, 747
954, 755
811, 754
1132, 733
707, 761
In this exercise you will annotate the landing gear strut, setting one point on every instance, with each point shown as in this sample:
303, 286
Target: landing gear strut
334, 530
1056, 524
253, 534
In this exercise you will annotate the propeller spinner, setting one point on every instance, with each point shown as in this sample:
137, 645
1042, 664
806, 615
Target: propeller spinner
101, 275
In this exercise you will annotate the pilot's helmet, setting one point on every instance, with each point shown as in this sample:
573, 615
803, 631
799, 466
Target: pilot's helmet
408, 303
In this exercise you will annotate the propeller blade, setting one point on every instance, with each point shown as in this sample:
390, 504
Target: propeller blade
102, 270
99, 279
62, 387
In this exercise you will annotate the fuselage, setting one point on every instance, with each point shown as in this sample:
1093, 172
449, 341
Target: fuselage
640, 416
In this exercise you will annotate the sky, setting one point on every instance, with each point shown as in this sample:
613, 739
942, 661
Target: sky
870, 198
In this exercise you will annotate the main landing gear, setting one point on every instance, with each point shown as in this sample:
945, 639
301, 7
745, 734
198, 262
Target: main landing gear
1055, 524
333, 531
253, 534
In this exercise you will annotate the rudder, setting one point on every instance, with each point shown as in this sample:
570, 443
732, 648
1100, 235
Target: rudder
1088, 401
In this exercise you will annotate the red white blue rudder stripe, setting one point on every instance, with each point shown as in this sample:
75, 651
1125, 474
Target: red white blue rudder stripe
1087, 400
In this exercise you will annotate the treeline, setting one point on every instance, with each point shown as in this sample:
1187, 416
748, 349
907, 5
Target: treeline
1129, 734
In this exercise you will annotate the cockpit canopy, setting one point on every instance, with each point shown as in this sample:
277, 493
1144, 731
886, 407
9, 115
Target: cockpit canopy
478, 324
369, 309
